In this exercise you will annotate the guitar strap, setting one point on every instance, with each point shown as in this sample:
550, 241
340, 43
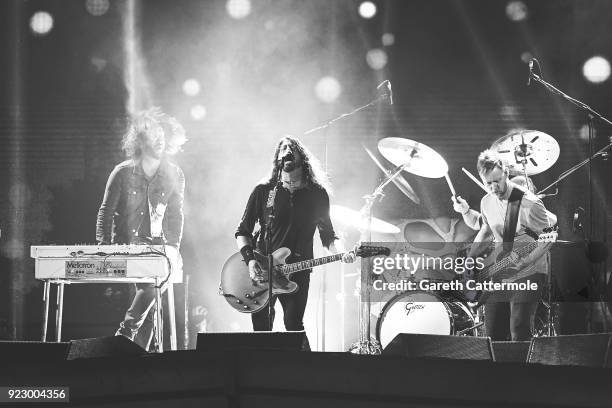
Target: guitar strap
511, 222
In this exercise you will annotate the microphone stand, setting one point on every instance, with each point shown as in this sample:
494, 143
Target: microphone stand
385, 96
269, 251
382, 97
591, 115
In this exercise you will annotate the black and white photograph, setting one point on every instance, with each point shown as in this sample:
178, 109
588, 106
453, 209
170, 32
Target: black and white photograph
298, 203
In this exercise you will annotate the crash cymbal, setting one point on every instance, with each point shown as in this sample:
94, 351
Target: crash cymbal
419, 159
537, 150
399, 181
349, 217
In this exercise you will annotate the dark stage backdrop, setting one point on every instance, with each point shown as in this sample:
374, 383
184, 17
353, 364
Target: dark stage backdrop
458, 79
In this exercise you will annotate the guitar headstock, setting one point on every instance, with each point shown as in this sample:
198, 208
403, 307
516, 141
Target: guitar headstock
366, 251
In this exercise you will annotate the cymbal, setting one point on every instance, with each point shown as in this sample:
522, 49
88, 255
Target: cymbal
349, 217
399, 181
420, 159
536, 149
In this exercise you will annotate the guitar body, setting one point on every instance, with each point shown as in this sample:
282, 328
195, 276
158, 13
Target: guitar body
249, 296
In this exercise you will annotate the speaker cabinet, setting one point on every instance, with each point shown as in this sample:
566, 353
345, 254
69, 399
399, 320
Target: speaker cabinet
511, 351
288, 341
587, 350
111, 346
432, 345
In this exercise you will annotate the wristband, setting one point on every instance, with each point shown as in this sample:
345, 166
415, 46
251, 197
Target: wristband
467, 211
247, 253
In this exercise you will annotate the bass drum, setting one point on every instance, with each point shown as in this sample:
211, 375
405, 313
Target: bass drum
424, 313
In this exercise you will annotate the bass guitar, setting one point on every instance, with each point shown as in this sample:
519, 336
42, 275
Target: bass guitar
249, 296
497, 265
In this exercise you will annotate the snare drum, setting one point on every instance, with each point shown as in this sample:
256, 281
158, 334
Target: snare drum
424, 313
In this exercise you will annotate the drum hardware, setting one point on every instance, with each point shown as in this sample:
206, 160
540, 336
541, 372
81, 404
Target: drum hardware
409, 159
399, 181
473, 328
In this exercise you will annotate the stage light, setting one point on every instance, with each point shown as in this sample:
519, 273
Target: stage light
388, 39
41, 23
238, 9
596, 69
191, 87
376, 58
198, 112
526, 57
517, 11
328, 89
97, 7
367, 9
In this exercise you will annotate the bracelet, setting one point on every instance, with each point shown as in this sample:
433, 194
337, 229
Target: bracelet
465, 213
247, 253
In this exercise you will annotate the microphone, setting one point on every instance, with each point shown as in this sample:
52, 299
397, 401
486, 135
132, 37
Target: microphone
530, 71
389, 95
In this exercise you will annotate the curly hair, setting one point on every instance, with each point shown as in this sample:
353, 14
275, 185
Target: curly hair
313, 172
142, 122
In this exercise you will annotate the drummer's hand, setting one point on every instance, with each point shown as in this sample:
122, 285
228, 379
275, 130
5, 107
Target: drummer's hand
349, 257
255, 271
460, 205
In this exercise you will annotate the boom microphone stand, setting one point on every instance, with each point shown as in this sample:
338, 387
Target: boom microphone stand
386, 95
591, 115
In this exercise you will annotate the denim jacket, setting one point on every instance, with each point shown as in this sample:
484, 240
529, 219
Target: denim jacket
126, 203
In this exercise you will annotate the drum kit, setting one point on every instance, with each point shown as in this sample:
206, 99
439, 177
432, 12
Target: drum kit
527, 152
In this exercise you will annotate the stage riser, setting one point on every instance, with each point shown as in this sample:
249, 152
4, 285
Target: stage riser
250, 379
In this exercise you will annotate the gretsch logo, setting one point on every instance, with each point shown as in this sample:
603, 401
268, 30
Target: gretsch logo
410, 306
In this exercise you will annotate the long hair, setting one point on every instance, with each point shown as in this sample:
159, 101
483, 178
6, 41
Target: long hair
142, 122
313, 172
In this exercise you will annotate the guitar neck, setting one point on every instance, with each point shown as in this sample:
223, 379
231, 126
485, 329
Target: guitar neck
521, 252
288, 269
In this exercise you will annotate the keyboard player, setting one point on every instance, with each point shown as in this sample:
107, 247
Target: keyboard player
143, 203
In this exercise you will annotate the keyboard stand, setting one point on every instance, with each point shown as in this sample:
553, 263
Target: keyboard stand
60, 283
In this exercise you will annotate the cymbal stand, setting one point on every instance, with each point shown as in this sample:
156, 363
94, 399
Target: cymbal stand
367, 345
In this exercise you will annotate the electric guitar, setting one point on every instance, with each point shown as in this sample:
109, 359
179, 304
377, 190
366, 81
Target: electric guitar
499, 271
249, 296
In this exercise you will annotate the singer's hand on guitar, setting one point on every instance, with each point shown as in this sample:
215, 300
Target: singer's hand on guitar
350, 256
255, 271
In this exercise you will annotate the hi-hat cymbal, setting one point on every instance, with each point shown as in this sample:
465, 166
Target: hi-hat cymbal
349, 217
536, 150
399, 181
419, 159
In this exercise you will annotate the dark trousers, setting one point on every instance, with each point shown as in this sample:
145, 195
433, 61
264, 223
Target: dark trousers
513, 319
293, 305
138, 321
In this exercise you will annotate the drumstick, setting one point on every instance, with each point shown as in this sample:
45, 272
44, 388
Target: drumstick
450, 185
474, 179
